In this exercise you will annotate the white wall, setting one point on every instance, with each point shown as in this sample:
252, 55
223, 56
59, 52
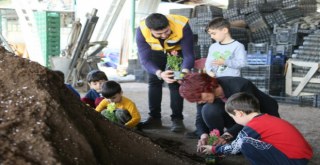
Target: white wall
165, 7
114, 39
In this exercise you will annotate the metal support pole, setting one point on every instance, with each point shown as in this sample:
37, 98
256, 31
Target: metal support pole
132, 24
133, 20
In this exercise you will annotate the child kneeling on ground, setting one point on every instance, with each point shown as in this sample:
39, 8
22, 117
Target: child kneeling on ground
95, 78
264, 139
126, 110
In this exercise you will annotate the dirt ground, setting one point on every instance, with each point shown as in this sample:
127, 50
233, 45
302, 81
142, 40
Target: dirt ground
306, 119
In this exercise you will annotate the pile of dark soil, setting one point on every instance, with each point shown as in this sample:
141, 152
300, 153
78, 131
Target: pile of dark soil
43, 122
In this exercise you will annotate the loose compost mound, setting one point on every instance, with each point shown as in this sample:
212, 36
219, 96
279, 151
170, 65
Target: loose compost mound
43, 122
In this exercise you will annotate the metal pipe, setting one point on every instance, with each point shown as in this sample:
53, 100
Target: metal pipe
133, 20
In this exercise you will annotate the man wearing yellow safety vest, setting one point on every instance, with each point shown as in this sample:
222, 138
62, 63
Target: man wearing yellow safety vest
155, 37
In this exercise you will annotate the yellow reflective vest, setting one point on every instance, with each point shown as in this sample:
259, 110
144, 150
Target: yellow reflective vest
176, 23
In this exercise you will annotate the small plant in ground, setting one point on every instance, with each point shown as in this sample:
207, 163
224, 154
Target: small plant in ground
213, 136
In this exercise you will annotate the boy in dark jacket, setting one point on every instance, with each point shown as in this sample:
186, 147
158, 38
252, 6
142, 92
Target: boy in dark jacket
95, 79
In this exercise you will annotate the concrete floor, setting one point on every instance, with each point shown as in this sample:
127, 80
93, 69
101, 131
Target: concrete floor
306, 119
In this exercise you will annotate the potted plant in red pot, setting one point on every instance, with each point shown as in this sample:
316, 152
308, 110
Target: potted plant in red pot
174, 62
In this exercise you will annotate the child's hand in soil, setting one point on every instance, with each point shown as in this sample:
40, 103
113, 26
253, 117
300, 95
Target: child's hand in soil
220, 141
207, 149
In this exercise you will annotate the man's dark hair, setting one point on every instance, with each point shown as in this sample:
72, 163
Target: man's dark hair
110, 88
61, 74
96, 75
243, 102
157, 21
218, 23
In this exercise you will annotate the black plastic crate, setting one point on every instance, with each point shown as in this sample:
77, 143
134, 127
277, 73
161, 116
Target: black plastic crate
231, 13
132, 61
141, 75
139, 72
201, 51
265, 71
258, 48
286, 50
265, 59
272, 83
312, 100
287, 38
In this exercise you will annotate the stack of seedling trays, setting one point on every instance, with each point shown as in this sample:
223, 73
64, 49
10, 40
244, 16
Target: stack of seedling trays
256, 2
202, 40
231, 13
241, 35
257, 8
237, 4
141, 75
259, 28
306, 6
276, 4
284, 15
132, 65
48, 25
201, 51
271, 19
237, 18
210, 10
309, 52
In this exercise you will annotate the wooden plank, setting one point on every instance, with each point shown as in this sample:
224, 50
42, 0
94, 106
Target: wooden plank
289, 79
124, 50
306, 94
299, 63
312, 71
312, 80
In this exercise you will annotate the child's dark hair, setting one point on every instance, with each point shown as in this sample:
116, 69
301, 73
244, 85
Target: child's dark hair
242, 102
110, 88
96, 75
157, 21
61, 74
218, 23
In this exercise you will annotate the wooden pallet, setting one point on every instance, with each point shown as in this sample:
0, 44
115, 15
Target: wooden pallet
303, 80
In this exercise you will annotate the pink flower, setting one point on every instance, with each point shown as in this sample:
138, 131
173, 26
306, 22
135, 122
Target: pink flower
215, 132
174, 53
